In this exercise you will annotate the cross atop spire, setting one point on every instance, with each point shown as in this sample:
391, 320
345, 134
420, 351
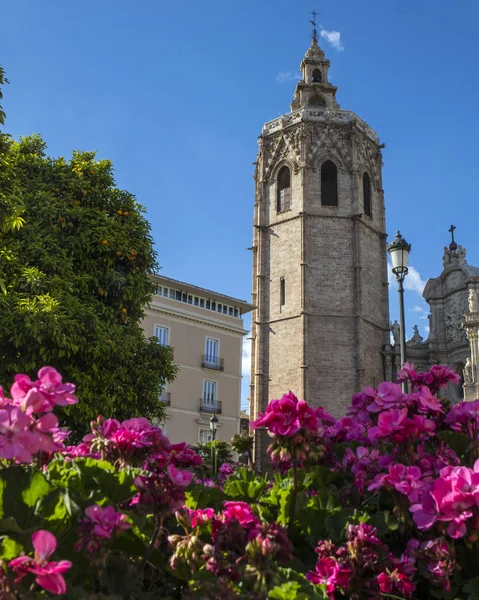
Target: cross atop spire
452, 245
314, 35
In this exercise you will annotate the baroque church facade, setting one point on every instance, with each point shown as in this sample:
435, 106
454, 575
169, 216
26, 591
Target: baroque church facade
320, 326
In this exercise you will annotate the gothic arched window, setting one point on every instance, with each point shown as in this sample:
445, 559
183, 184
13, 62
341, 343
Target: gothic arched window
283, 196
316, 76
329, 184
316, 100
367, 195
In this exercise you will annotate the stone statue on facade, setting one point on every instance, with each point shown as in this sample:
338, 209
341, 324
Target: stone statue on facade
467, 371
417, 337
396, 330
472, 300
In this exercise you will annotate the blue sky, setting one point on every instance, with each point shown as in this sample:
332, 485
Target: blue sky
175, 94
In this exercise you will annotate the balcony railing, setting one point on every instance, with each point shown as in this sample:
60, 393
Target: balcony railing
165, 397
210, 407
212, 362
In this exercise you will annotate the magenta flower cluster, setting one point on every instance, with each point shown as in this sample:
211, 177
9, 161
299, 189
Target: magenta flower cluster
100, 524
365, 560
27, 423
240, 544
402, 463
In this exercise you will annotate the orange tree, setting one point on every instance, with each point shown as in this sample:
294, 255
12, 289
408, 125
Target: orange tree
74, 280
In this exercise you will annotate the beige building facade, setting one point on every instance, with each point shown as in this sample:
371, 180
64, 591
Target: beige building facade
204, 330
320, 289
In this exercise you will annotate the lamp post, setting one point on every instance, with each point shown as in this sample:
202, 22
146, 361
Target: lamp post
213, 429
399, 250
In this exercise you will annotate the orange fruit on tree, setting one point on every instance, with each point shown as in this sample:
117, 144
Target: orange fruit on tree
119, 212
126, 213
118, 253
123, 310
101, 292
104, 242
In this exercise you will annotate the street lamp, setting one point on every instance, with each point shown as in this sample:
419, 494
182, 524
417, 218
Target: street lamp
399, 250
213, 429
213, 426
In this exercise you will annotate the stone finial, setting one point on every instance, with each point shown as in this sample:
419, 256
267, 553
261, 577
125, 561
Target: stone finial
454, 257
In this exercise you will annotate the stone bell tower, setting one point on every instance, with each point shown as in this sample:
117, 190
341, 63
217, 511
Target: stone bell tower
319, 251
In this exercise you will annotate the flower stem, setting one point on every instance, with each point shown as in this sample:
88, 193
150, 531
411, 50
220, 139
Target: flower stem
292, 506
151, 546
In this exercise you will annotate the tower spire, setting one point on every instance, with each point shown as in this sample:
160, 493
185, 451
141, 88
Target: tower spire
452, 245
314, 35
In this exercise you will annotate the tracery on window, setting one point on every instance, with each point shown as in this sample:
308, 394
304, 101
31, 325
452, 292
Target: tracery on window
283, 196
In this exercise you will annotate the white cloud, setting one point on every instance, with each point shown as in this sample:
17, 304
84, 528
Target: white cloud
245, 371
246, 360
427, 329
413, 282
287, 76
333, 38
417, 309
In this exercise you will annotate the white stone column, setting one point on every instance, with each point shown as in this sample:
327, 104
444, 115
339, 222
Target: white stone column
471, 380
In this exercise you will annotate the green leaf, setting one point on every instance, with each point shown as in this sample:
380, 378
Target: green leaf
456, 440
9, 525
472, 589
245, 485
10, 549
296, 587
38, 488
199, 496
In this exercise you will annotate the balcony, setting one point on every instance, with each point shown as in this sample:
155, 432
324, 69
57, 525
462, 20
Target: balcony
165, 398
212, 362
208, 406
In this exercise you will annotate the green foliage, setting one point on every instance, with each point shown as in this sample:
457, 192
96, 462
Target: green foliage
221, 452
55, 500
246, 485
457, 441
74, 280
199, 496
296, 587
3, 80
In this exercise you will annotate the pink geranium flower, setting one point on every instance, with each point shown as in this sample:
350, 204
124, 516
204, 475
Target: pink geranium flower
49, 575
452, 498
16, 441
242, 512
43, 394
179, 478
285, 417
106, 520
